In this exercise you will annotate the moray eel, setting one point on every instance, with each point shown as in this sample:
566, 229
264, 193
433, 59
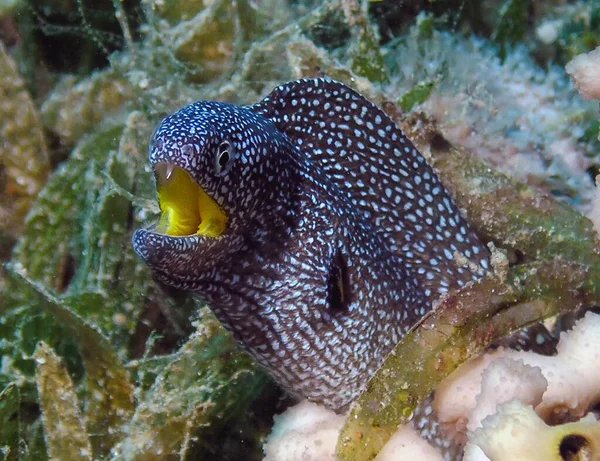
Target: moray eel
312, 227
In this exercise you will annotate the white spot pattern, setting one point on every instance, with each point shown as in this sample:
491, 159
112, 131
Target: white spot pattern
322, 183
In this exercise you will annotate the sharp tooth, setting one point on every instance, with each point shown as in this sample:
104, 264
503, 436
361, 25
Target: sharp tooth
169, 171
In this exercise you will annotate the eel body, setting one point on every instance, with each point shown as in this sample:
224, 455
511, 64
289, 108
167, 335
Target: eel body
313, 228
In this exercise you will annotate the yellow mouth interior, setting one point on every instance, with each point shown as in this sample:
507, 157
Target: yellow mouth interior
185, 208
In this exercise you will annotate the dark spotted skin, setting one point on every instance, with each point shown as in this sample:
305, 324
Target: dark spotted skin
339, 237
375, 165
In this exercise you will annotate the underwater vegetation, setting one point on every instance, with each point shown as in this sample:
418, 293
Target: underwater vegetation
94, 351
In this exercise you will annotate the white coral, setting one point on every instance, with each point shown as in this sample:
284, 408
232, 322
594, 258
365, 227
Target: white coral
516, 432
305, 432
584, 69
504, 380
572, 375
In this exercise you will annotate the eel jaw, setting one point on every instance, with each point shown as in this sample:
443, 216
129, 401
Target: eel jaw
186, 209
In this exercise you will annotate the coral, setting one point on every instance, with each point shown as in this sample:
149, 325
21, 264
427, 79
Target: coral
310, 432
462, 402
570, 375
406, 443
516, 432
304, 432
584, 69
504, 380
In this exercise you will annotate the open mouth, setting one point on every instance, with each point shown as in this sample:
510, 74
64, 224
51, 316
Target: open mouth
185, 208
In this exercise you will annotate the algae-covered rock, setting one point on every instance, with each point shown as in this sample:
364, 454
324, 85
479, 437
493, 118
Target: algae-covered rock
518, 117
460, 328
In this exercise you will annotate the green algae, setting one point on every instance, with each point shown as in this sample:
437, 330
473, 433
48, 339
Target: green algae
88, 308
578, 32
60, 410
76, 107
19, 439
367, 60
205, 383
207, 40
85, 232
82, 287
418, 95
176, 12
204, 40
106, 380
7, 7
513, 24
24, 158
10, 426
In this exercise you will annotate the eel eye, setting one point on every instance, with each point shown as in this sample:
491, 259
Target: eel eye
223, 159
